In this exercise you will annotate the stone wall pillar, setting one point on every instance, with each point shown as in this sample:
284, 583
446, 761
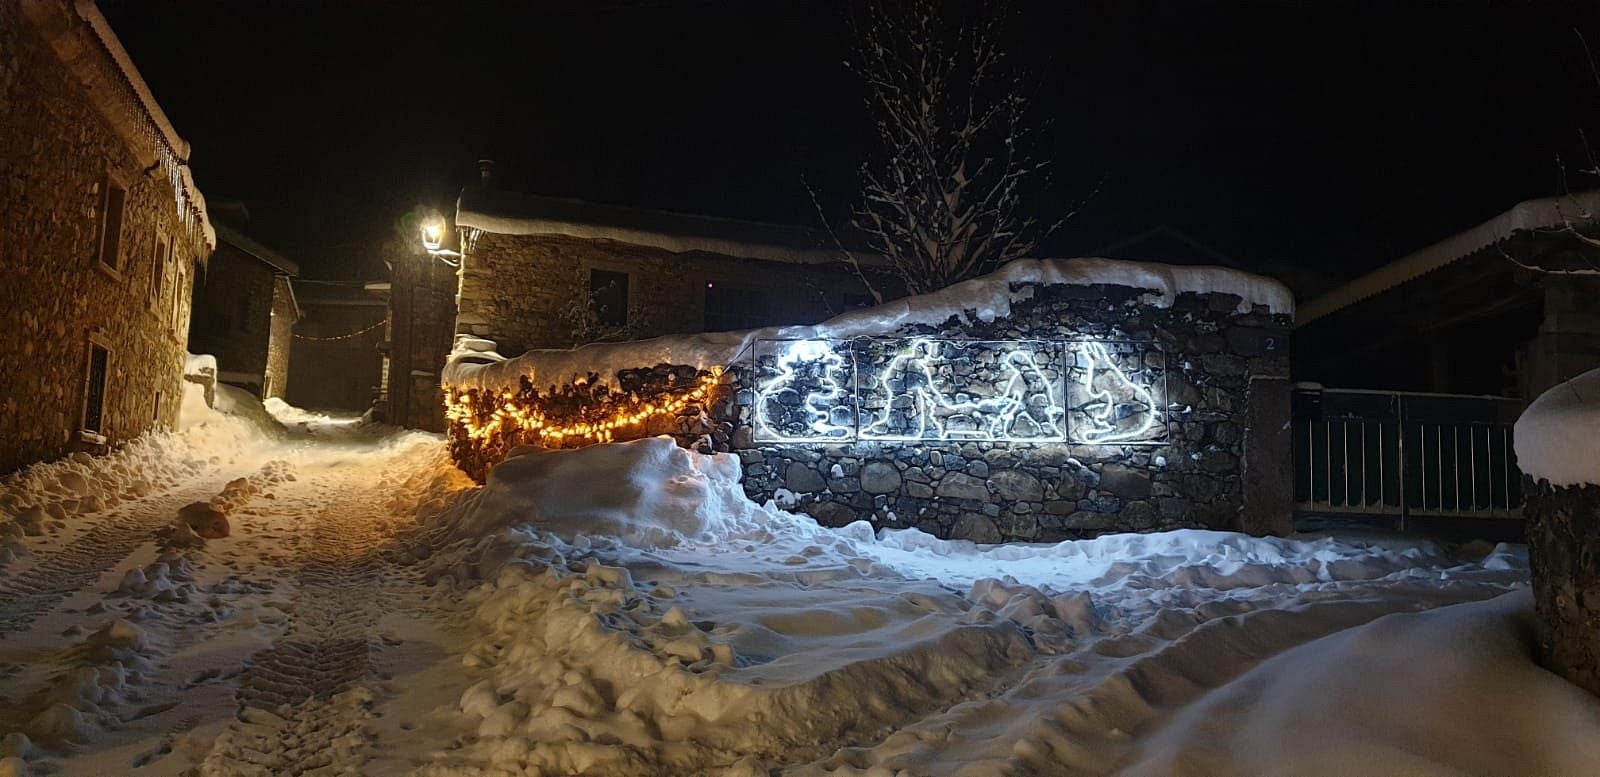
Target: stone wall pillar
1268, 476
1568, 341
1564, 548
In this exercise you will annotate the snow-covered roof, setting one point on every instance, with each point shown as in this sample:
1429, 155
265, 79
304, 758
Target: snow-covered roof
116, 88
983, 299
1544, 213
508, 213
249, 246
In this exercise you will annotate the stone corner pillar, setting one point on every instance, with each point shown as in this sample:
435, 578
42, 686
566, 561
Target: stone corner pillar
1564, 550
1268, 467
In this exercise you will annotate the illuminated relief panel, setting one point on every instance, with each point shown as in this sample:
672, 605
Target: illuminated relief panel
1116, 393
960, 390
940, 390
803, 391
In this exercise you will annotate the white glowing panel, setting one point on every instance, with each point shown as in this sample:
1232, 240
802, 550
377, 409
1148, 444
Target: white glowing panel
943, 390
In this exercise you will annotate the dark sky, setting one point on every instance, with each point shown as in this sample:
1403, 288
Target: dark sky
1330, 135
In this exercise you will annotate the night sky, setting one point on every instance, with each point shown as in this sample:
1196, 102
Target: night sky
1329, 136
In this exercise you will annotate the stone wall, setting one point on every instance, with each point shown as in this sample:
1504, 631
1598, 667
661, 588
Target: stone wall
1046, 491
515, 288
57, 151
422, 312
233, 306
336, 363
1222, 393
280, 338
1564, 550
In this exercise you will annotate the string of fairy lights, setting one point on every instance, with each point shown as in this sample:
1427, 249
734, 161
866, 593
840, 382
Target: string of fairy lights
471, 412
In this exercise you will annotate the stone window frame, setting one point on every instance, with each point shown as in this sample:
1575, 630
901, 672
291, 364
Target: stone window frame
93, 341
111, 181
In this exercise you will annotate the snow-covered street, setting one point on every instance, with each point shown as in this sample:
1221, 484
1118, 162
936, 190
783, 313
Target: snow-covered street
623, 609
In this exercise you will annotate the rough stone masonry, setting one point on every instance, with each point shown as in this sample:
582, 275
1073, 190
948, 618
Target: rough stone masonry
1218, 463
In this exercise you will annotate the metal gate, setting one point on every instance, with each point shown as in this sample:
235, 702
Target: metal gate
1404, 455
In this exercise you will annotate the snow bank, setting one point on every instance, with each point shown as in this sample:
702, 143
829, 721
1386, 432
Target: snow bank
39, 499
1450, 691
1558, 436
982, 299
640, 616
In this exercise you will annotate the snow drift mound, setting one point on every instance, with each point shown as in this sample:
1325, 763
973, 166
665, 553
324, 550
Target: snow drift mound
1377, 698
648, 493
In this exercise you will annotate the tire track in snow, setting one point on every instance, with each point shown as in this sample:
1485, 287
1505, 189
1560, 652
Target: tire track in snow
304, 703
57, 574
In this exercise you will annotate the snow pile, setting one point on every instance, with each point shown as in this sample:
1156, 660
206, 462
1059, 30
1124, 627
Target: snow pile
1447, 692
39, 499
108, 665
983, 299
642, 617
1558, 436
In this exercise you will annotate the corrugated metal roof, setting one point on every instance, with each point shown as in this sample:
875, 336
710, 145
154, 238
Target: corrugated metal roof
1547, 213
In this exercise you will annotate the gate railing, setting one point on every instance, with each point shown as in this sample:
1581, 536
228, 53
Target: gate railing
1405, 454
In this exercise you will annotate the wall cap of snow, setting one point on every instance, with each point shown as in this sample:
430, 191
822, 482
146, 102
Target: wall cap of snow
982, 299
1558, 436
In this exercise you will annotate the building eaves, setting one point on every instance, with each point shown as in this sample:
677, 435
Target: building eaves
1546, 213
248, 245
508, 213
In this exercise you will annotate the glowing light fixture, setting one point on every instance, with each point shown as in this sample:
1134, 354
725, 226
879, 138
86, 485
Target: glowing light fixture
433, 233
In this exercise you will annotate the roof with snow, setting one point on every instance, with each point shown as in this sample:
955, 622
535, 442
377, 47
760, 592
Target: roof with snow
509, 213
244, 243
476, 365
1533, 215
64, 36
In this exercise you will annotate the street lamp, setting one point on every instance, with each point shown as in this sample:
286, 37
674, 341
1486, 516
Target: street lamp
433, 234
433, 230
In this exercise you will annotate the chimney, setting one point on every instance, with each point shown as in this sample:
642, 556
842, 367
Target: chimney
485, 170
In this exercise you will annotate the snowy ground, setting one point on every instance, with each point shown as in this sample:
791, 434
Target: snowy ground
622, 609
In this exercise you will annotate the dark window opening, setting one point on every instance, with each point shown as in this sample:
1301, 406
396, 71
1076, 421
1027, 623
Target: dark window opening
156, 417
608, 297
732, 307
111, 224
158, 272
95, 402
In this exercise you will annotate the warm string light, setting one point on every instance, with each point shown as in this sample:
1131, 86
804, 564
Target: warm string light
510, 415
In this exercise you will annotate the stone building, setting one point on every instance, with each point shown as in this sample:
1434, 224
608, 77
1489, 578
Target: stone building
245, 312
337, 363
422, 315
101, 232
1506, 308
540, 272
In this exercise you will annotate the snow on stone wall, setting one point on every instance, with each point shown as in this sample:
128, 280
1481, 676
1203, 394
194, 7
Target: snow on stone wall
1034, 404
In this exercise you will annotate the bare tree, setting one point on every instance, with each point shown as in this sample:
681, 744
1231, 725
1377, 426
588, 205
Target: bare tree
945, 201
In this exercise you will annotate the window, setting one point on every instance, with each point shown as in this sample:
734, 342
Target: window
111, 224
94, 401
608, 297
732, 307
156, 418
158, 272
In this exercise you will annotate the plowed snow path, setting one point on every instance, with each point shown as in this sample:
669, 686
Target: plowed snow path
262, 653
